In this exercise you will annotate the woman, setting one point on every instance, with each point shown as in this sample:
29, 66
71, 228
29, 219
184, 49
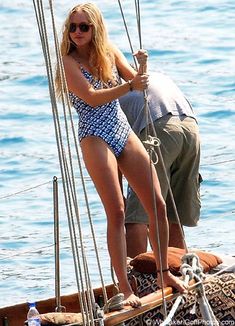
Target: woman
107, 142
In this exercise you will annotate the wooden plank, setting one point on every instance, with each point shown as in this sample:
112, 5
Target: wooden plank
148, 302
15, 315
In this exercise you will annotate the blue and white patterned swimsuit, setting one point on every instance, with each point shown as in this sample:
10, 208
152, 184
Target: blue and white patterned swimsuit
106, 121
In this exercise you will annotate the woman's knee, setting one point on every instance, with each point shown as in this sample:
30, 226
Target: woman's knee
162, 208
159, 209
116, 218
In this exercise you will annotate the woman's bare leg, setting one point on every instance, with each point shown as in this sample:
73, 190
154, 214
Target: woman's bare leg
102, 167
136, 238
142, 177
176, 238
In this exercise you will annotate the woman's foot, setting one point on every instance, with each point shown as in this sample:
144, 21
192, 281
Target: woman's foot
173, 281
130, 299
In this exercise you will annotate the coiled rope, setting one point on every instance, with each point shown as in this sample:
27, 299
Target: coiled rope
192, 270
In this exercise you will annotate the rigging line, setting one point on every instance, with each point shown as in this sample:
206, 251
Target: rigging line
149, 118
146, 115
34, 187
38, 250
228, 213
145, 94
143, 69
45, 47
161, 161
66, 172
128, 35
81, 174
25, 190
227, 269
217, 163
72, 188
88, 178
67, 190
84, 189
137, 8
190, 269
158, 238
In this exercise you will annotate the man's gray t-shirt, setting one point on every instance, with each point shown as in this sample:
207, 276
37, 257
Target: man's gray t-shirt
163, 97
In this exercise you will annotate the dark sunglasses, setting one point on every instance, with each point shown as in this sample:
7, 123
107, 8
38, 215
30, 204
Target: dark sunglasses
83, 27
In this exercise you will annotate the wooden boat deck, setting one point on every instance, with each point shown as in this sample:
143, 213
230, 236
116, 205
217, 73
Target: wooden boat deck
16, 315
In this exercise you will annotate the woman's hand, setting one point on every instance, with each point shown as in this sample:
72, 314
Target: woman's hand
141, 56
140, 82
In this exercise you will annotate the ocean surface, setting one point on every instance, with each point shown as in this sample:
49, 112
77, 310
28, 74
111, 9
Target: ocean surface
191, 41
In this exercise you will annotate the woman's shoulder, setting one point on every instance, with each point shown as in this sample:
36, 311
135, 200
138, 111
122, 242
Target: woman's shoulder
115, 50
70, 63
67, 58
118, 56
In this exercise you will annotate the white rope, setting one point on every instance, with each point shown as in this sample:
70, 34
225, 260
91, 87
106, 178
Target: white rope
127, 33
149, 121
228, 269
81, 176
87, 301
191, 269
206, 311
25, 190
148, 117
186, 271
44, 40
197, 272
89, 293
172, 312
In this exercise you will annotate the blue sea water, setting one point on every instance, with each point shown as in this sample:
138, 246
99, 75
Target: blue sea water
190, 40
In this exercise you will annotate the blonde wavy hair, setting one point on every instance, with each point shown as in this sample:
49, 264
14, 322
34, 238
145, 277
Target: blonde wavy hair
101, 56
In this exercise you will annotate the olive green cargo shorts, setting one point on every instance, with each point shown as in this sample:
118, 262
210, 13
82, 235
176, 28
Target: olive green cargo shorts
180, 148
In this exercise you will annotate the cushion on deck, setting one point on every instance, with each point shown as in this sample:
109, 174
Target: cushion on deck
61, 318
145, 262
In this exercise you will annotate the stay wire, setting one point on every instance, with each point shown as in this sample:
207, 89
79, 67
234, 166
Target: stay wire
45, 46
64, 172
138, 19
85, 265
89, 295
150, 123
147, 117
82, 177
128, 34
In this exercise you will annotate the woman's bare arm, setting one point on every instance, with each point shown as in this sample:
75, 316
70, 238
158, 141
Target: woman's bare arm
79, 85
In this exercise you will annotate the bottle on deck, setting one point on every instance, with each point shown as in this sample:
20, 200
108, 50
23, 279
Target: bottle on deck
33, 318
